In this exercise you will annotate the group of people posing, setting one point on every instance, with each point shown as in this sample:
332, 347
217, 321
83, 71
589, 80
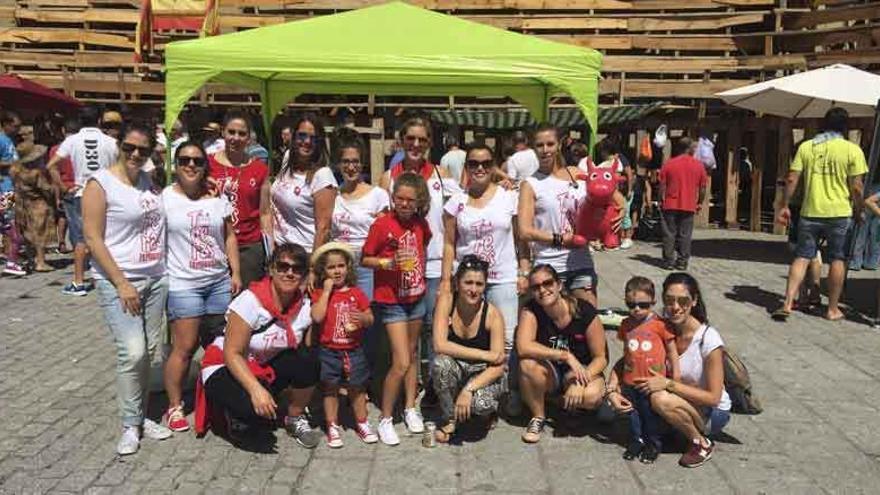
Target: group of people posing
301, 273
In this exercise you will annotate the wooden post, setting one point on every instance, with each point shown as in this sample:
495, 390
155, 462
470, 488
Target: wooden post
377, 151
759, 154
783, 158
702, 219
731, 196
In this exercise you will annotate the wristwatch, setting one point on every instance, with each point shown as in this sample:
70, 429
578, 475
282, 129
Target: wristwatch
670, 385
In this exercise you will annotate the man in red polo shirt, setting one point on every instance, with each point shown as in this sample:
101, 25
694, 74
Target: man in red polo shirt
683, 188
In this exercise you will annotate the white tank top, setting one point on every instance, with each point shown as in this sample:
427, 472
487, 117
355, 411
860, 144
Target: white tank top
134, 231
556, 205
293, 206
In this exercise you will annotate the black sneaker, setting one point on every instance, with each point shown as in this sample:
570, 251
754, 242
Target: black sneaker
649, 453
299, 428
633, 450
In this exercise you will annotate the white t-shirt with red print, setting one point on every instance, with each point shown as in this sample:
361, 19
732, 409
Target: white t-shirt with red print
438, 188
556, 205
196, 239
487, 232
134, 231
293, 206
352, 218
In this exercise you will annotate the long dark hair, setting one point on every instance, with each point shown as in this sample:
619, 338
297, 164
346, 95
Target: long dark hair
573, 302
699, 309
319, 150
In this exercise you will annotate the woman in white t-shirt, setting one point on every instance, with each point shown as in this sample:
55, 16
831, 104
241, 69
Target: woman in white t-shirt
202, 263
698, 402
481, 222
297, 207
124, 227
357, 204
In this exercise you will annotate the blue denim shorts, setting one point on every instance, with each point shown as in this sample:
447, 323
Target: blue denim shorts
344, 367
580, 279
393, 313
212, 299
73, 212
834, 230
716, 420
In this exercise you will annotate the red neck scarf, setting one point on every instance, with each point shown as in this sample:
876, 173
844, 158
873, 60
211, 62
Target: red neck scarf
263, 290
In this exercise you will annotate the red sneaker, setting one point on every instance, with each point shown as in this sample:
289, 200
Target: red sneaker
697, 455
175, 419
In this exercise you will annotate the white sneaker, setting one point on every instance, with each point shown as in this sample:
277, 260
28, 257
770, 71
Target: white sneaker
365, 431
387, 433
155, 431
413, 421
129, 442
334, 436
626, 244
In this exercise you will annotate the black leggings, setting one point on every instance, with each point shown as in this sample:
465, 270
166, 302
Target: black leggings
293, 368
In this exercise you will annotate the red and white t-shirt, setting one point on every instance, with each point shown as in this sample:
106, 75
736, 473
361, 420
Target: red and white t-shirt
293, 205
196, 239
342, 307
644, 347
387, 236
487, 232
241, 186
352, 218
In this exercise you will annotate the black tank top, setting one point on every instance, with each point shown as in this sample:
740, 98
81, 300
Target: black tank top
479, 341
573, 337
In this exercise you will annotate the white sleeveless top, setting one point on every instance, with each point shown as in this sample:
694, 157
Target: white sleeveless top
705, 340
134, 231
293, 206
487, 232
556, 205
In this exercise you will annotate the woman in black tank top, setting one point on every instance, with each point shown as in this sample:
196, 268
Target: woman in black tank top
468, 365
561, 346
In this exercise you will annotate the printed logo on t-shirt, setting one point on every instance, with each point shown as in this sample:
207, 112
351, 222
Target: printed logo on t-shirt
559, 342
485, 245
566, 213
229, 187
345, 310
92, 155
151, 228
412, 273
202, 244
342, 220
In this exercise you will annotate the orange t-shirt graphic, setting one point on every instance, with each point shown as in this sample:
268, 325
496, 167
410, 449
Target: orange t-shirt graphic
644, 348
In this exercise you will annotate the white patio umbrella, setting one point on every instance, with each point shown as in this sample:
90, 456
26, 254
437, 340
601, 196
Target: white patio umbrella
810, 94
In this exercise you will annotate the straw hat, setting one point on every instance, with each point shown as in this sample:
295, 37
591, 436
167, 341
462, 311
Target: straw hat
333, 246
111, 116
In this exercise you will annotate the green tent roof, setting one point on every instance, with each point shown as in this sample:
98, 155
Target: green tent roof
389, 49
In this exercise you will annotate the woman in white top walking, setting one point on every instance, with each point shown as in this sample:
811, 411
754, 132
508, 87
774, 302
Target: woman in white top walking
203, 266
357, 204
124, 226
298, 206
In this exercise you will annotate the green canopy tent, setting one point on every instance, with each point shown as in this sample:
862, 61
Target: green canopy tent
389, 49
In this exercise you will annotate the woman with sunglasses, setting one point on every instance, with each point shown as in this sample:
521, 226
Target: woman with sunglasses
562, 350
124, 226
481, 222
415, 140
468, 366
297, 207
697, 404
548, 204
264, 353
358, 204
241, 178
202, 263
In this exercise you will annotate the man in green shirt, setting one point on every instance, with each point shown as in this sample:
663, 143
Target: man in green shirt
832, 170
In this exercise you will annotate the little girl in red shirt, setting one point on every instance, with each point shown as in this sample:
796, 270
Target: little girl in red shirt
343, 312
395, 249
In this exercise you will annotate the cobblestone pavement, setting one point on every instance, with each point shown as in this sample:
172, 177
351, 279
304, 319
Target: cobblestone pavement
818, 434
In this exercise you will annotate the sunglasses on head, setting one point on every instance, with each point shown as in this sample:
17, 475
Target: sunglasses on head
640, 304
234, 132
285, 267
682, 301
476, 265
304, 137
474, 164
129, 148
197, 161
546, 284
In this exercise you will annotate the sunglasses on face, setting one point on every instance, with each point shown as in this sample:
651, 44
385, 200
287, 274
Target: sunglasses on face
285, 267
475, 164
682, 301
129, 148
197, 161
233, 133
640, 304
409, 139
305, 137
548, 284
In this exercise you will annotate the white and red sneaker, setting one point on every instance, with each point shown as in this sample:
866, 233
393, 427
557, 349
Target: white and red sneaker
334, 436
365, 431
176, 419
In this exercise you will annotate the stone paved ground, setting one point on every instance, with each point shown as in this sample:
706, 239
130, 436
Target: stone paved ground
58, 422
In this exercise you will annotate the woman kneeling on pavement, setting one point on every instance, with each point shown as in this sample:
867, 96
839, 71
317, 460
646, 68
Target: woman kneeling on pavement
469, 355
265, 352
561, 346
697, 405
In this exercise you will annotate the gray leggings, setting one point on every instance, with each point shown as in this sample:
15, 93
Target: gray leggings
450, 376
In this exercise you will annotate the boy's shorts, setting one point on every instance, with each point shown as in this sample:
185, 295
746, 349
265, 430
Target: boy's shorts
344, 367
